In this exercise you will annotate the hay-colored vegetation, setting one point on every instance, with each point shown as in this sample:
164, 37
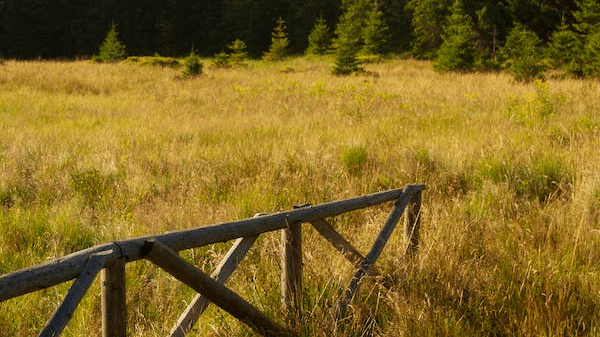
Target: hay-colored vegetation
91, 153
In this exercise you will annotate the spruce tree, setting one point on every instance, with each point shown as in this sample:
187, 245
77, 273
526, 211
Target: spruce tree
522, 54
563, 48
319, 39
591, 56
238, 52
112, 49
458, 50
348, 37
375, 32
279, 42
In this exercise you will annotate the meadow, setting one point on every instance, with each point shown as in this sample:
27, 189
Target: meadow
510, 241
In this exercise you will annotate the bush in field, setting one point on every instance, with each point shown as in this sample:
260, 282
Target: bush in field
192, 65
319, 39
112, 49
522, 54
279, 42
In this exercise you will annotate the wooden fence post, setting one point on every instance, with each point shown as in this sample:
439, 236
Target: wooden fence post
114, 311
291, 273
412, 224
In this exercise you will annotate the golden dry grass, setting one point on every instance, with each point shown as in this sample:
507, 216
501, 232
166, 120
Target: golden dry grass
95, 152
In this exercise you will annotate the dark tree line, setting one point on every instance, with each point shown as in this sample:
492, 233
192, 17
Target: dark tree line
76, 28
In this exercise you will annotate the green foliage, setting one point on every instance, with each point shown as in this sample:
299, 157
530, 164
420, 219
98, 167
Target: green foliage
155, 61
347, 42
112, 50
238, 54
428, 17
563, 48
354, 158
374, 33
221, 60
591, 56
279, 42
237, 57
192, 65
319, 38
522, 54
458, 50
587, 16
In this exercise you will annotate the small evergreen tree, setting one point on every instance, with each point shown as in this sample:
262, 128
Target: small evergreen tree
112, 49
563, 48
279, 42
591, 56
459, 48
347, 42
192, 65
374, 33
522, 54
238, 52
319, 39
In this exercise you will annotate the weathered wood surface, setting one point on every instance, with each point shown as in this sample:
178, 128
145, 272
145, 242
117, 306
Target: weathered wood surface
376, 249
412, 224
113, 299
338, 241
69, 267
65, 311
291, 271
167, 259
222, 272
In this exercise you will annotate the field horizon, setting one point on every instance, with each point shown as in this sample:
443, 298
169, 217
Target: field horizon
510, 238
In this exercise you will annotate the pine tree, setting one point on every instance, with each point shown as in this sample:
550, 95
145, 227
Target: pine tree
522, 55
458, 50
591, 56
428, 17
279, 42
319, 39
238, 52
112, 49
375, 32
563, 48
348, 37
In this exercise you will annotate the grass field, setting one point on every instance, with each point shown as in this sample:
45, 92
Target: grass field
91, 153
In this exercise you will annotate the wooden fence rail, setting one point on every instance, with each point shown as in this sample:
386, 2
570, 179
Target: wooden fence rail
110, 259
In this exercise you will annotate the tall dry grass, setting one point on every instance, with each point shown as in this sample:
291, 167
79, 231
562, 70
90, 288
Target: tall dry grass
91, 153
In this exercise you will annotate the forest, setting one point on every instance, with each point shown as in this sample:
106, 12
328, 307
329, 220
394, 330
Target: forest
460, 34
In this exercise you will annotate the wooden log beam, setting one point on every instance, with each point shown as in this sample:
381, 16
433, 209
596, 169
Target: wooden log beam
113, 300
223, 271
338, 241
291, 271
412, 225
65, 311
67, 268
376, 249
167, 259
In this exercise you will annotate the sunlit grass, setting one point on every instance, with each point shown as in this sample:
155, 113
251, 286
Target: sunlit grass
91, 153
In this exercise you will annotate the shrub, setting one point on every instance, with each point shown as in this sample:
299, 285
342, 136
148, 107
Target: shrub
354, 157
112, 49
221, 60
192, 65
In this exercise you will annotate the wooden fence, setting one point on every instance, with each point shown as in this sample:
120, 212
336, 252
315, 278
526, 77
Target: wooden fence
110, 259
